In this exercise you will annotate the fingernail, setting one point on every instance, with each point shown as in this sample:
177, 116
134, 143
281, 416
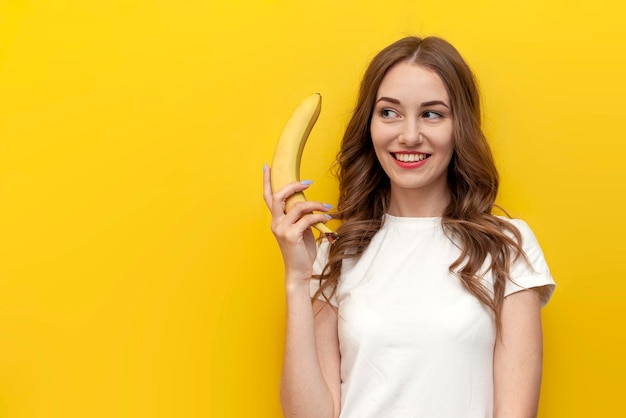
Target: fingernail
328, 216
264, 167
307, 182
327, 206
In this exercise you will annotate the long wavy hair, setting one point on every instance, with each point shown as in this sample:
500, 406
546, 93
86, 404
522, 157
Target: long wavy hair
472, 177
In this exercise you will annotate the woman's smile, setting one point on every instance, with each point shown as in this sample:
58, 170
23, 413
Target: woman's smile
410, 157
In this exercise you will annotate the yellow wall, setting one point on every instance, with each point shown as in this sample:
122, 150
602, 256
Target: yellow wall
138, 276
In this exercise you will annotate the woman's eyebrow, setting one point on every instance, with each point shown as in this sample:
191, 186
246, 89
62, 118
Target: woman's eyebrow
388, 99
424, 104
434, 102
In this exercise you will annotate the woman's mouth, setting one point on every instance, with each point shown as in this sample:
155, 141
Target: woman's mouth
409, 157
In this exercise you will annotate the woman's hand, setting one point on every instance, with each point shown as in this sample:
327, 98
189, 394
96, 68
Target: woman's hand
293, 230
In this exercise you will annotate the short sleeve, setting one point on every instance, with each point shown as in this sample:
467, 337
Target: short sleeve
321, 259
537, 274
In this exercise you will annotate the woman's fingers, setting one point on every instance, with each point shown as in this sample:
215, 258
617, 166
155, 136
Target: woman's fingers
279, 198
304, 208
310, 219
294, 232
267, 187
276, 201
300, 217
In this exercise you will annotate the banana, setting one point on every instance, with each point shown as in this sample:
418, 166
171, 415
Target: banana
288, 154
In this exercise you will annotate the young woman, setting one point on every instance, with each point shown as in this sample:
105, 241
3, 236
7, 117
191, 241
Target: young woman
428, 305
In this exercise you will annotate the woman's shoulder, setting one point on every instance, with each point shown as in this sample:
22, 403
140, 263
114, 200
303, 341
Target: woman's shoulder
514, 221
532, 271
521, 225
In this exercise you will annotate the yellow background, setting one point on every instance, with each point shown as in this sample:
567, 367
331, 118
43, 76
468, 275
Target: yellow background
138, 276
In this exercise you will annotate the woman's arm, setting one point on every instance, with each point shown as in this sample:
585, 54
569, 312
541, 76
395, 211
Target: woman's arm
310, 384
310, 377
518, 357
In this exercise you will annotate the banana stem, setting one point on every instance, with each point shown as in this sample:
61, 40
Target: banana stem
331, 237
326, 232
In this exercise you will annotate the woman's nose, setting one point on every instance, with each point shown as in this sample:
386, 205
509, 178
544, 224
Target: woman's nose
410, 134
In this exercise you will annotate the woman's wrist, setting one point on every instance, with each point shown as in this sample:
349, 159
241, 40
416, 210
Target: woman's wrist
297, 284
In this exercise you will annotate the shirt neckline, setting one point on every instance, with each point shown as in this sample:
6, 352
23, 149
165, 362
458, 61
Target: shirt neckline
410, 220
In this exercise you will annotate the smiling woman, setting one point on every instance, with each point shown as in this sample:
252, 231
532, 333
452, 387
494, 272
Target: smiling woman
428, 305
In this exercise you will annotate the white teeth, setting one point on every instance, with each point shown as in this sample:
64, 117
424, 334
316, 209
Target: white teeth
410, 158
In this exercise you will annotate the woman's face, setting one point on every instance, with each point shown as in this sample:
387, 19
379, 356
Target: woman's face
412, 128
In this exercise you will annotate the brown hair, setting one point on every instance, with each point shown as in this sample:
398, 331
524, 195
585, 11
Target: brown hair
364, 187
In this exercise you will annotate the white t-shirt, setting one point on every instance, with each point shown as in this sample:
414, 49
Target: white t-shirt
414, 342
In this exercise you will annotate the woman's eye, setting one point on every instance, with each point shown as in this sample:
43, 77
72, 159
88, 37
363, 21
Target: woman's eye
431, 115
388, 113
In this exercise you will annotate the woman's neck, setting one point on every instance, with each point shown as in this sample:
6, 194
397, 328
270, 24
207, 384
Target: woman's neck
418, 203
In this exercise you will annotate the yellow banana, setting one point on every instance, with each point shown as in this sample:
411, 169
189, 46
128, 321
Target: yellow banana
288, 153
